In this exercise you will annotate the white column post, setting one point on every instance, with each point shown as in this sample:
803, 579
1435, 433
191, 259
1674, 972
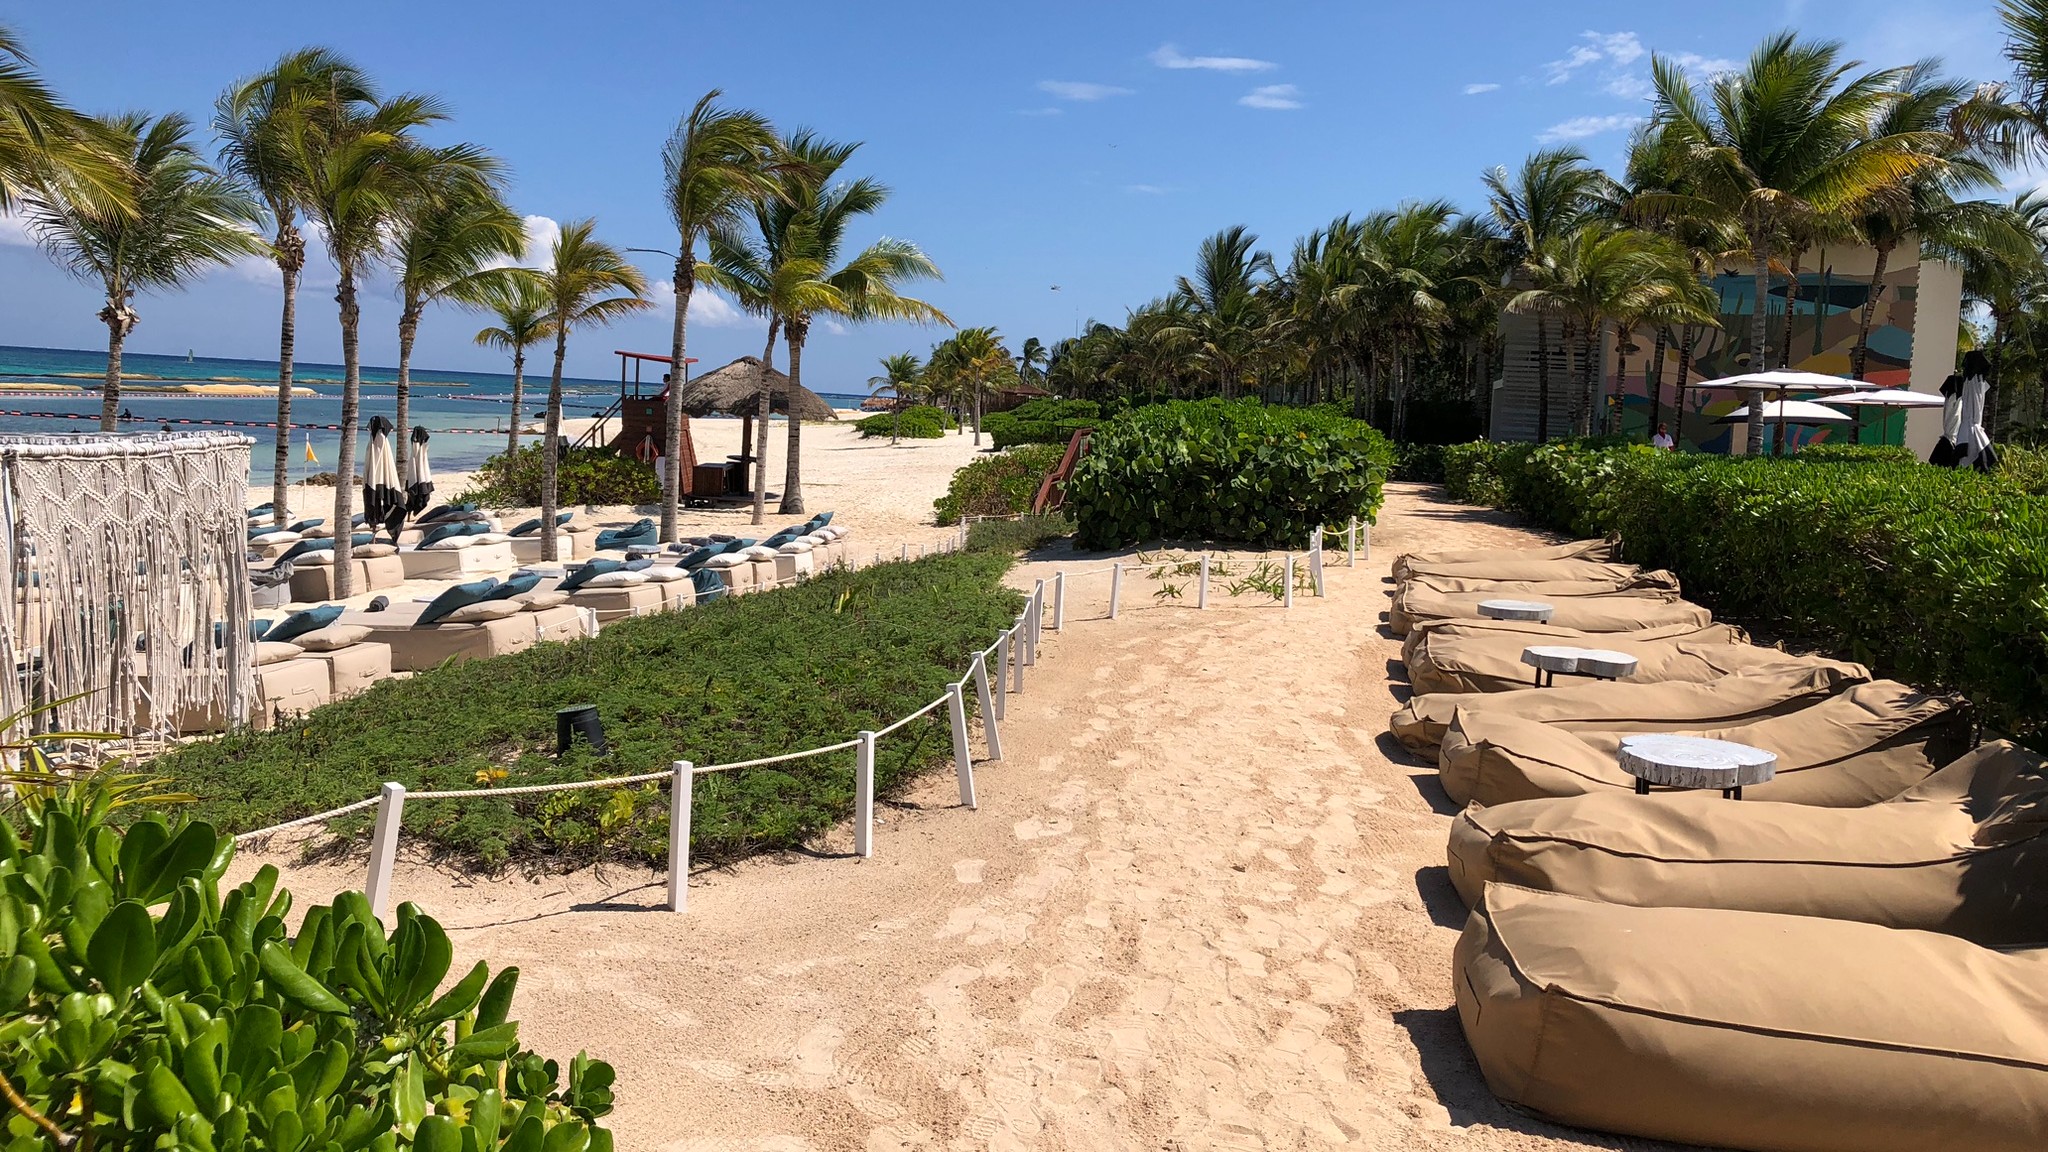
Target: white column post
983, 699
1002, 672
682, 775
1351, 542
1059, 601
1287, 599
864, 795
1202, 588
1116, 587
963, 761
384, 845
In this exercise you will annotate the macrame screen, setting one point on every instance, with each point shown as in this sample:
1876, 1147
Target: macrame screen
123, 552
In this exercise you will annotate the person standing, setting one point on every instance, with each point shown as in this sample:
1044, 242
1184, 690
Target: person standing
1662, 440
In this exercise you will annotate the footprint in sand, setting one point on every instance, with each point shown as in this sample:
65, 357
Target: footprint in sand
815, 1055
1036, 829
968, 871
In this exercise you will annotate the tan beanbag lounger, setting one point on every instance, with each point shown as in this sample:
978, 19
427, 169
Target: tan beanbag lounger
1628, 610
1626, 706
1486, 655
1868, 744
1533, 570
1600, 551
1613, 578
1753, 1030
1964, 852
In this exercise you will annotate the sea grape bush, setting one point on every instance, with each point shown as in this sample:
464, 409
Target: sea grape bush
1929, 575
1046, 421
917, 422
585, 476
146, 1004
1002, 484
1217, 470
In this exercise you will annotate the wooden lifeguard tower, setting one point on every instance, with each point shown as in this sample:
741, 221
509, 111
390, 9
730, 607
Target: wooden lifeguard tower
640, 412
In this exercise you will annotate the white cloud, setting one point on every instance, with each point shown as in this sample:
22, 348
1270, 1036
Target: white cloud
1703, 67
708, 309
1272, 97
1630, 87
14, 233
1145, 189
1169, 56
1081, 90
541, 234
1619, 49
833, 326
1581, 127
1480, 89
1040, 111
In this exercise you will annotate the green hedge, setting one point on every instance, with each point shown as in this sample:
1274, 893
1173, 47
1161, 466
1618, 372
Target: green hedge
1825, 453
1046, 421
586, 476
1002, 484
150, 1005
1216, 470
1930, 575
1418, 463
917, 422
730, 680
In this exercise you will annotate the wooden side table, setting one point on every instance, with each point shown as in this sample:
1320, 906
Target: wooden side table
1695, 762
1535, 610
1554, 660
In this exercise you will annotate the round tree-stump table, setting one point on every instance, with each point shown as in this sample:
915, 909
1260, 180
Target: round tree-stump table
1535, 610
1553, 660
1695, 762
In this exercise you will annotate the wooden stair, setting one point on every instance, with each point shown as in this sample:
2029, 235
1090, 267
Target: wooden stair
1052, 491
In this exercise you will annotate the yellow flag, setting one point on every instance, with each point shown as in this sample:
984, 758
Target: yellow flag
310, 458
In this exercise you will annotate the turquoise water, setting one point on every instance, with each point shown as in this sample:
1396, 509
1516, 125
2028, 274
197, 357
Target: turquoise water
467, 412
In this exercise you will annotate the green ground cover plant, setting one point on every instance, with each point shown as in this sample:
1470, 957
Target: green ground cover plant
1217, 470
999, 484
149, 1005
730, 680
917, 422
1933, 576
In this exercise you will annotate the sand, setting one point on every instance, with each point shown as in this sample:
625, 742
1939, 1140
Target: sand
1202, 905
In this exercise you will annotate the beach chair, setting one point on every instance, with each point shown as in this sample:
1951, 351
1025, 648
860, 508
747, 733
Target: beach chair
455, 549
465, 622
1585, 607
1486, 655
374, 566
1867, 744
527, 538
618, 539
1598, 551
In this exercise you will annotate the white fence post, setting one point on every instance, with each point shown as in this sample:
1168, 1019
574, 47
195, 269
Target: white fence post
988, 709
1351, 542
864, 795
1059, 600
1116, 587
1002, 672
1202, 588
1017, 658
1366, 529
384, 845
682, 775
1035, 622
963, 760
905, 553
1315, 563
1287, 600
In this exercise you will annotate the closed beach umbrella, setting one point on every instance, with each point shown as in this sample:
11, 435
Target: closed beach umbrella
1975, 444
382, 497
419, 474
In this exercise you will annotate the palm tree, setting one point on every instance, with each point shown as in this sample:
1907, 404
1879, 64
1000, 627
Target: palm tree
588, 283
258, 123
1553, 193
772, 283
900, 374
40, 135
361, 166
717, 164
809, 219
522, 308
450, 236
185, 218
1225, 311
1031, 359
975, 356
1783, 141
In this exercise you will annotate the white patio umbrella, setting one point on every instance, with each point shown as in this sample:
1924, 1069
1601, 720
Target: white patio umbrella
383, 500
1781, 381
1783, 412
1885, 398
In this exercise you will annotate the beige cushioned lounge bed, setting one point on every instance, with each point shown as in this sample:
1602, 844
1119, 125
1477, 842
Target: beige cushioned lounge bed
1486, 655
1581, 607
1600, 551
415, 646
1754, 1030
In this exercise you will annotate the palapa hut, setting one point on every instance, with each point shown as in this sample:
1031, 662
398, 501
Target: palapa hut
128, 559
735, 390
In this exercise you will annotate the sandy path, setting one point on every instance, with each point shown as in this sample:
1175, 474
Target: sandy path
1202, 905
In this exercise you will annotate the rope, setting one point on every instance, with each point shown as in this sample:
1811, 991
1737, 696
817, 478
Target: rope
313, 819
842, 746
532, 789
919, 714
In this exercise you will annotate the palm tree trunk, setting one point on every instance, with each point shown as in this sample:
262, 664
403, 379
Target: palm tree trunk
1654, 378
1785, 346
291, 258
1589, 375
1759, 335
977, 411
551, 446
1613, 421
792, 466
518, 397
1542, 379
110, 391
1862, 352
761, 423
408, 331
672, 415
345, 456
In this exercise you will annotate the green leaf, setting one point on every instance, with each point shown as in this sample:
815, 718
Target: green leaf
437, 1134
291, 981
123, 949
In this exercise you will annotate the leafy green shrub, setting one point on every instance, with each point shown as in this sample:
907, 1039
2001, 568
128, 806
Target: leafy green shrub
1011, 537
586, 476
918, 422
1216, 470
730, 680
1929, 575
1046, 421
146, 1007
2024, 468
1002, 484
1419, 463
1829, 452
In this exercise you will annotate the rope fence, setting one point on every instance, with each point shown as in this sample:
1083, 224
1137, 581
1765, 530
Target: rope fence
993, 674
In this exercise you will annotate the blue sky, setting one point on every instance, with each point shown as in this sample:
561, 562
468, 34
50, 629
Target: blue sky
1088, 146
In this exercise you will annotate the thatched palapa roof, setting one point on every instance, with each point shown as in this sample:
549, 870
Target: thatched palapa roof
735, 390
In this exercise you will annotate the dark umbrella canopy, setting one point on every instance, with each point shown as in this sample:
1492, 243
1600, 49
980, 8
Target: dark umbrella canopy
382, 496
735, 390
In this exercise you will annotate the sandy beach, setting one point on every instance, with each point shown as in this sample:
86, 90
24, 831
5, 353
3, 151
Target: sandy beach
1202, 905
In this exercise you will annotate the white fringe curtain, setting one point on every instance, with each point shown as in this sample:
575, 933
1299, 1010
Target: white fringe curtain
108, 539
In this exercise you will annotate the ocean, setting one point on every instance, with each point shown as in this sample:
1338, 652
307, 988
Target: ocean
466, 412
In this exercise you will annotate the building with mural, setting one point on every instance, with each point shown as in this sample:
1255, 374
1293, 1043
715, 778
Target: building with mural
1812, 325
